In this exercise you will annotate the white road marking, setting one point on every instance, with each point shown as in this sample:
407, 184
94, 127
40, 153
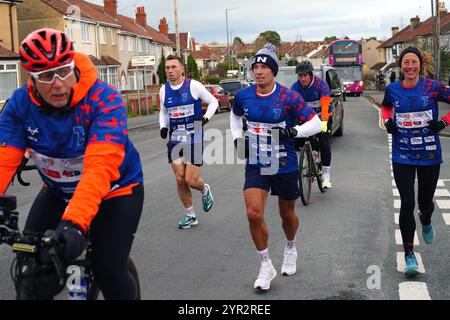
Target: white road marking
413, 291
443, 204
442, 193
396, 218
446, 217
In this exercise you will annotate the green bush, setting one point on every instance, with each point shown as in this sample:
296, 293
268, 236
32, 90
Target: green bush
212, 79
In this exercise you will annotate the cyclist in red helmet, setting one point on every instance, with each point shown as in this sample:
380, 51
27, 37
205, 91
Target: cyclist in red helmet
75, 127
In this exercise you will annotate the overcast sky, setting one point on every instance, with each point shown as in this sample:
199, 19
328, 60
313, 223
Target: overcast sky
292, 19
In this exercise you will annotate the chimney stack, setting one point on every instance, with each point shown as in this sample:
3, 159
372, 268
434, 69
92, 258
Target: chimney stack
415, 22
141, 16
164, 27
394, 30
442, 9
110, 7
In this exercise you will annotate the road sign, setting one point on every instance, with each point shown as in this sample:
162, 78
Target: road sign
143, 61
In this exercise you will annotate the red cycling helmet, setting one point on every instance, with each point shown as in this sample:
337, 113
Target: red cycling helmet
45, 49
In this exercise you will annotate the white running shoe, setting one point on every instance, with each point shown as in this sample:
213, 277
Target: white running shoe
266, 274
326, 183
289, 266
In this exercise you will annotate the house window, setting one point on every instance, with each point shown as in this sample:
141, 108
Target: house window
121, 42
113, 77
102, 35
85, 32
130, 44
140, 42
132, 80
113, 37
9, 80
103, 74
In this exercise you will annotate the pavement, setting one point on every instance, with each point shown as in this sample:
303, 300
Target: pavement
143, 121
376, 97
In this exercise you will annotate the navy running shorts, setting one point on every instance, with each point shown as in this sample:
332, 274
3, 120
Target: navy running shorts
191, 153
284, 185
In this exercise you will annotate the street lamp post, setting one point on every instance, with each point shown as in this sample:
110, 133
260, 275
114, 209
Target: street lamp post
231, 48
228, 36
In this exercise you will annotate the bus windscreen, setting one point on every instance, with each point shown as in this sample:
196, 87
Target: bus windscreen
346, 48
349, 74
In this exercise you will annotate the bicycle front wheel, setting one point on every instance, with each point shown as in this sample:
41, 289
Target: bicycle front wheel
305, 175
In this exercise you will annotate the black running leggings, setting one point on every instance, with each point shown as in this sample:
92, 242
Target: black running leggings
112, 233
325, 149
427, 177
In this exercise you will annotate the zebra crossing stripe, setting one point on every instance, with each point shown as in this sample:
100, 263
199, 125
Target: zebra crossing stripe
413, 291
446, 217
443, 204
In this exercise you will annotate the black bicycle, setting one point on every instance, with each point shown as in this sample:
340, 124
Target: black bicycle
38, 270
310, 167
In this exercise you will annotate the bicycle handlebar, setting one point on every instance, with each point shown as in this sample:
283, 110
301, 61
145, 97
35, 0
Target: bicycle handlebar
23, 167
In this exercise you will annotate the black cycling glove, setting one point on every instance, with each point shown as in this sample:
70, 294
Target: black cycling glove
163, 132
72, 237
436, 126
286, 133
390, 126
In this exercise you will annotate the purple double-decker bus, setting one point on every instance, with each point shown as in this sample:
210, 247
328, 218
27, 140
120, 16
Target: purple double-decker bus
346, 57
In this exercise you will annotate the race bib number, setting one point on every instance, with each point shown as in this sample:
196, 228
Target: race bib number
181, 112
58, 170
263, 129
414, 120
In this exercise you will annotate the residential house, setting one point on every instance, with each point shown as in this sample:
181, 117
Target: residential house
206, 60
418, 34
92, 32
319, 56
371, 52
300, 50
108, 38
9, 48
137, 38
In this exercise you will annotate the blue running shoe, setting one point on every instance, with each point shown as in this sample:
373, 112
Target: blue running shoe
412, 268
187, 222
428, 234
208, 199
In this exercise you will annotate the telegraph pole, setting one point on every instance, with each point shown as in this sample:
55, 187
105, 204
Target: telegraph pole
436, 37
177, 33
438, 43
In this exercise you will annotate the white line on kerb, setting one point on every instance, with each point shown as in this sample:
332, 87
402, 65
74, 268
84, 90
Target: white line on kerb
446, 217
442, 193
413, 291
443, 204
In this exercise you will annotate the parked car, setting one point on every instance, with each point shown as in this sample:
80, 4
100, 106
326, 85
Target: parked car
220, 94
287, 76
232, 86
